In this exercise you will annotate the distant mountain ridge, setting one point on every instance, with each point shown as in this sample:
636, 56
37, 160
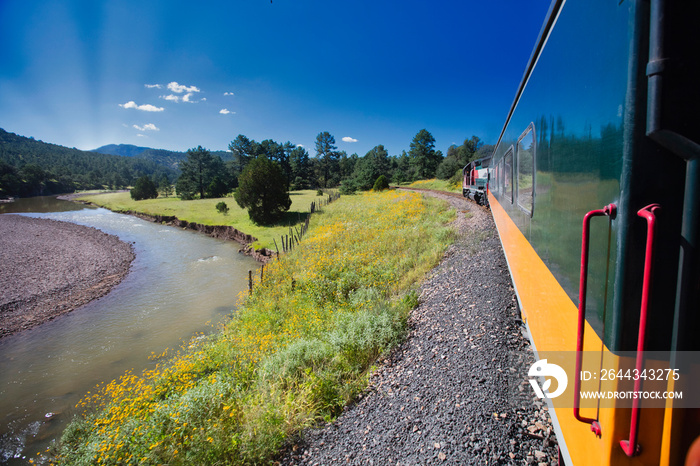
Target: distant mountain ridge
30, 167
167, 158
126, 150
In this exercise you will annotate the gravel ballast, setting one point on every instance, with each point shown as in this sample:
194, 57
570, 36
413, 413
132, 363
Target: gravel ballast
48, 268
446, 395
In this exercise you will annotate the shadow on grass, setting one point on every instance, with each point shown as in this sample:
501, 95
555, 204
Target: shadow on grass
290, 219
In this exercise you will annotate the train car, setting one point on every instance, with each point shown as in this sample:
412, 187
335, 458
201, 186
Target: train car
475, 179
595, 192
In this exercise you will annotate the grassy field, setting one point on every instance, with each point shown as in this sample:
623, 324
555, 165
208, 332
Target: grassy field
298, 349
204, 211
438, 185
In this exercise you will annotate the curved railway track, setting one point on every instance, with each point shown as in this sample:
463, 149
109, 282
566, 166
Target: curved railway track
446, 193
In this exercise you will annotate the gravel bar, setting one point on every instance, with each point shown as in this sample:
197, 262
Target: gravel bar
48, 268
446, 395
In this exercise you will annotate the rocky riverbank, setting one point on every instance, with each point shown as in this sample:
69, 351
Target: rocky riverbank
456, 391
49, 268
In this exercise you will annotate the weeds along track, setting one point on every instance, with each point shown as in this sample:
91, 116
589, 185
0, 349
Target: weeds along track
444, 193
450, 393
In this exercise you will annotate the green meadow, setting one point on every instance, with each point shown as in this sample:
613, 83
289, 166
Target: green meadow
204, 211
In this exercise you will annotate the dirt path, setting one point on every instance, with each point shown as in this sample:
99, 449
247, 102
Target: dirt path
48, 268
456, 391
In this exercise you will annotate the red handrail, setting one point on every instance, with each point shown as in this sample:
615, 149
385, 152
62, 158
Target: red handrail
611, 211
630, 446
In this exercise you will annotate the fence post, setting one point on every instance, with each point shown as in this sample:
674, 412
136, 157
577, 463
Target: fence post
250, 282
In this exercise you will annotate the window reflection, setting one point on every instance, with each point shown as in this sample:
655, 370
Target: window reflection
508, 175
526, 169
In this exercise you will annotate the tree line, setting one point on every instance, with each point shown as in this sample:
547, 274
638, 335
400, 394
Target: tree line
206, 175
30, 168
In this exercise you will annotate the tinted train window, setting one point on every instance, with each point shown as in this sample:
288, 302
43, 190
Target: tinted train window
526, 169
494, 185
508, 175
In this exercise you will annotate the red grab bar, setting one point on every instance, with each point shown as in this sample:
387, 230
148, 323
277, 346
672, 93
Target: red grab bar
630, 447
609, 210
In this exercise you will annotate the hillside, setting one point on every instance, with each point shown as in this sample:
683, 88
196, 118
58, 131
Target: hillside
166, 158
29, 167
127, 150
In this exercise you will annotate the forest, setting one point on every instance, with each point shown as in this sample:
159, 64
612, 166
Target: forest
32, 168
204, 174
29, 167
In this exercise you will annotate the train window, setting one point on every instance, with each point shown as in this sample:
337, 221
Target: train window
508, 175
526, 170
493, 185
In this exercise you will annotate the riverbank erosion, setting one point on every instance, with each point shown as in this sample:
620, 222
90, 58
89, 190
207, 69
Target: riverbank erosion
49, 268
224, 232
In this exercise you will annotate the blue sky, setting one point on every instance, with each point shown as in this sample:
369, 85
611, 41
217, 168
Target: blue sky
175, 74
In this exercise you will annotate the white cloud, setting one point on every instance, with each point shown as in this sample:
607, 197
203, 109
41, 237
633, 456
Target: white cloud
189, 91
181, 88
145, 108
225, 111
349, 139
228, 93
157, 86
147, 127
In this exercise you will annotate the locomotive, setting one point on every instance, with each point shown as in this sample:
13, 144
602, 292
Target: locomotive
475, 178
595, 192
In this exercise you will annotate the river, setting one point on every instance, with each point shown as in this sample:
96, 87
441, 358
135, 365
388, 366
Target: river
180, 284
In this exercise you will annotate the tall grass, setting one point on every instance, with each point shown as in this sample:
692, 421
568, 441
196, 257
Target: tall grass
298, 349
438, 185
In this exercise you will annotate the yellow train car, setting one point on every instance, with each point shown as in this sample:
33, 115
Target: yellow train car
595, 190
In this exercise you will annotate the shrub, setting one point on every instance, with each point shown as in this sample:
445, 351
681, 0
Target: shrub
222, 208
319, 192
144, 189
381, 184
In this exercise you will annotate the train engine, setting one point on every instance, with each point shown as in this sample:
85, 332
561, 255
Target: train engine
475, 180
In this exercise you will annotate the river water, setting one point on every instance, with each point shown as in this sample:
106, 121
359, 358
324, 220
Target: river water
180, 284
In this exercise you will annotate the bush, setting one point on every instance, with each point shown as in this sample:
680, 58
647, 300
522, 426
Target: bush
319, 192
381, 184
144, 189
222, 208
457, 178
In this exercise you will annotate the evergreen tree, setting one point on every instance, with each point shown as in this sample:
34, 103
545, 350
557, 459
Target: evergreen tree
423, 157
262, 190
144, 189
198, 171
164, 187
327, 158
300, 168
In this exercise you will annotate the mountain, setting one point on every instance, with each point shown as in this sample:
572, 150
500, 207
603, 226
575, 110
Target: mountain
166, 158
29, 167
126, 150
